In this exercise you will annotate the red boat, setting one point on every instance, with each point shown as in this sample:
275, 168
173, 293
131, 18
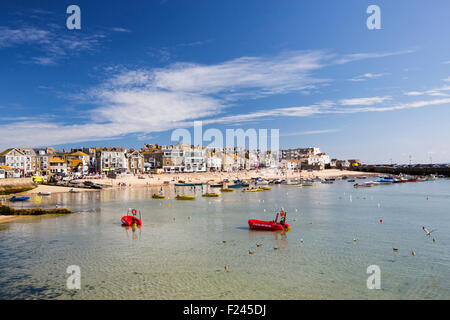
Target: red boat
270, 225
129, 220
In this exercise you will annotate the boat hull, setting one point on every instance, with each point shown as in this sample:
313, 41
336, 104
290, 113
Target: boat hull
184, 198
266, 225
128, 221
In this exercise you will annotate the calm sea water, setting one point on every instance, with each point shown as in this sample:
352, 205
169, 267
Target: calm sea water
185, 258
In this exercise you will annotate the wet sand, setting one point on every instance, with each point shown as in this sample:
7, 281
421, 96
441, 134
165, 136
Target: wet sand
4, 219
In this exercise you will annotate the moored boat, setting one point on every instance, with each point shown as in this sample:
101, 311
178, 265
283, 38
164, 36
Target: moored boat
14, 198
364, 185
211, 195
44, 193
253, 190
131, 219
158, 196
270, 225
226, 190
185, 197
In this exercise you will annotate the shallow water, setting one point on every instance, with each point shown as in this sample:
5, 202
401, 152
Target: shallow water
185, 258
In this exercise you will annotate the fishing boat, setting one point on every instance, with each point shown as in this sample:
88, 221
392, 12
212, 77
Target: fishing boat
361, 177
131, 219
211, 195
270, 225
235, 186
351, 180
219, 185
385, 180
158, 196
185, 197
226, 190
44, 193
188, 184
266, 188
327, 182
14, 198
364, 185
307, 184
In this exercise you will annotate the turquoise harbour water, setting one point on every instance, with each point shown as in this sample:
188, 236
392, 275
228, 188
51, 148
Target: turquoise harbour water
185, 258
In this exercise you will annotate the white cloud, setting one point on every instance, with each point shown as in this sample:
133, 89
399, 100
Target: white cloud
446, 79
143, 101
280, 74
366, 76
436, 92
364, 101
53, 42
370, 55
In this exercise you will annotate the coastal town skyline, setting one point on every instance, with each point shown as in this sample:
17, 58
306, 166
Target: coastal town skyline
375, 95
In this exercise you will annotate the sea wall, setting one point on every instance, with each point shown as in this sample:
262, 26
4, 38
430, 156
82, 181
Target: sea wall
16, 185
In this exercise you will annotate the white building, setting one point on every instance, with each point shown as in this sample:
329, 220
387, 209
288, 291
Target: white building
111, 159
19, 159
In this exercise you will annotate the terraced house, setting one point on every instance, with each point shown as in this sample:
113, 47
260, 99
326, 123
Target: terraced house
78, 162
20, 160
111, 159
135, 161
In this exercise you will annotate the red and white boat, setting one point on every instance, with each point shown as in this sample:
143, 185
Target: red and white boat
131, 219
270, 225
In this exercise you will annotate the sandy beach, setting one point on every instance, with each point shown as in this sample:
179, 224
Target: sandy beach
160, 179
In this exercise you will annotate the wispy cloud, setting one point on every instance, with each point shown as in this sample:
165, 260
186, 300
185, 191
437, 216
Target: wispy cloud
364, 101
51, 42
118, 29
143, 101
371, 55
367, 76
436, 92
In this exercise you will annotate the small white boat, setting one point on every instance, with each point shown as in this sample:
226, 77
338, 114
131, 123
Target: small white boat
74, 191
44, 193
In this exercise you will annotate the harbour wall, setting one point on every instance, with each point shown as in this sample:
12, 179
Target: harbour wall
409, 171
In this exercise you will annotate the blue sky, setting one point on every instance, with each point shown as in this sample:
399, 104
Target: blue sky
138, 70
